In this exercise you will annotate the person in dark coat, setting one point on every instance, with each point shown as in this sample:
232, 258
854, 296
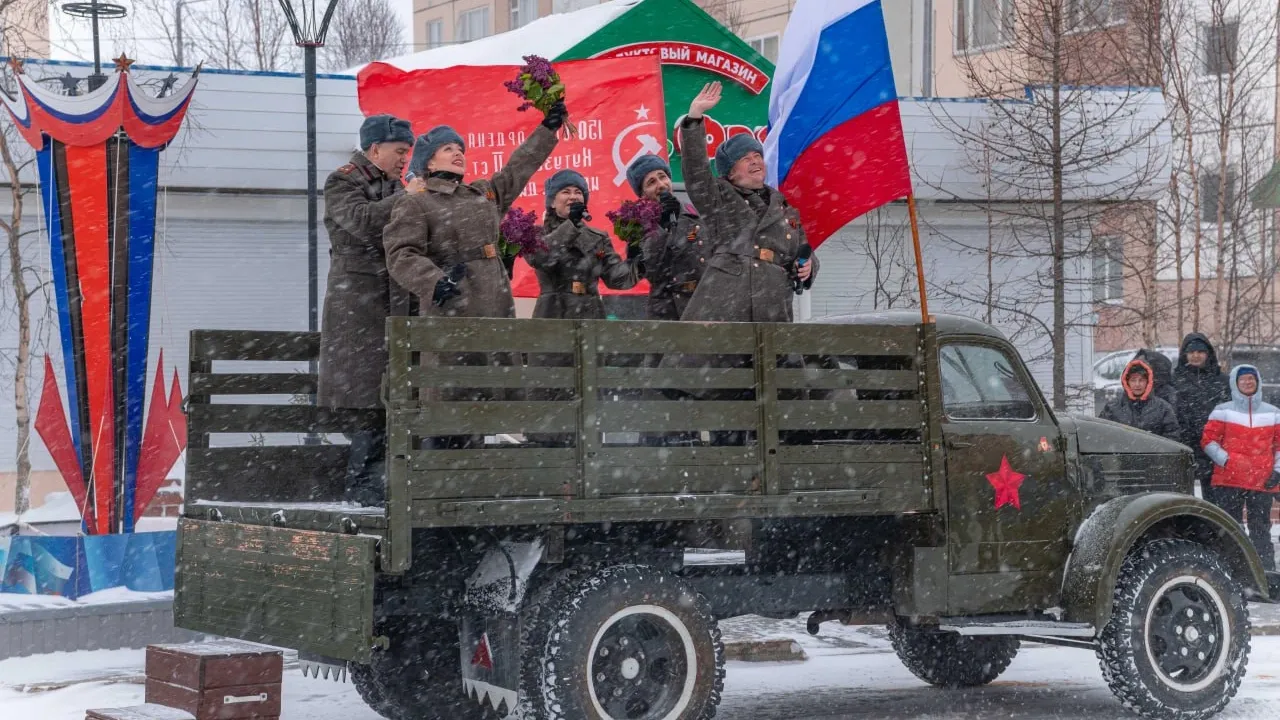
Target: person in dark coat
1202, 386
756, 257
442, 243
1139, 407
675, 255
1162, 367
360, 294
578, 257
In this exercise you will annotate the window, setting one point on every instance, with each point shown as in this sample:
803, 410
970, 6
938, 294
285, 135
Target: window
766, 45
980, 383
435, 34
563, 6
983, 23
1210, 184
523, 12
472, 25
1108, 270
1088, 14
1218, 47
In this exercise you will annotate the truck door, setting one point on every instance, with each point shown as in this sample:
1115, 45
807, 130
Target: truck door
1009, 502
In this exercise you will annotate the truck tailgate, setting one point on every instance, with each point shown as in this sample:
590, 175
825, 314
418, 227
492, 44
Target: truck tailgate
299, 589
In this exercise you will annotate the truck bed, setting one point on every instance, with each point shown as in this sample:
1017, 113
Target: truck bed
776, 420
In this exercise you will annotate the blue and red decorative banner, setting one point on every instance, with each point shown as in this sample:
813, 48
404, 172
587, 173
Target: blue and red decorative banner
98, 157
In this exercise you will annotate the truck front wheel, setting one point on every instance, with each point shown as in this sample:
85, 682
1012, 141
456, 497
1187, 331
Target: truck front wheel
629, 642
950, 660
1177, 642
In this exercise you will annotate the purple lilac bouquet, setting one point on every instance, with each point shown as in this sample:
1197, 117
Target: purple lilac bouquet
635, 219
519, 233
538, 85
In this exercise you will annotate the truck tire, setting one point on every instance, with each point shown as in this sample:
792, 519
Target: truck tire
625, 641
951, 660
419, 677
1177, 642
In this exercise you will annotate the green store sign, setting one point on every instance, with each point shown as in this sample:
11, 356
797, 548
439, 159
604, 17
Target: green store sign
694, 49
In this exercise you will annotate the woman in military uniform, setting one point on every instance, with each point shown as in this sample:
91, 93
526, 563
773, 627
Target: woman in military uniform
442, 243
578, 257
576, 260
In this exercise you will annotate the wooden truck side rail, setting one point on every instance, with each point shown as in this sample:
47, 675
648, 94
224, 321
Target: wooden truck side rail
838, 416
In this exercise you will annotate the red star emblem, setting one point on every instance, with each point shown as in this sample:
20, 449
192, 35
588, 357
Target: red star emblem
1006, 481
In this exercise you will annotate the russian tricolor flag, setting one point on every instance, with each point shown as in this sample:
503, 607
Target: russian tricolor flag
835, 145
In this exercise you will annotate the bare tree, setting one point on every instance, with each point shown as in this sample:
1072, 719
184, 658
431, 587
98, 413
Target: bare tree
1070, 157
230, 34
363, 31
728, 13
24, 21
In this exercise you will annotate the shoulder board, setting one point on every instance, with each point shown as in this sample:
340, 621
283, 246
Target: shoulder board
347, 169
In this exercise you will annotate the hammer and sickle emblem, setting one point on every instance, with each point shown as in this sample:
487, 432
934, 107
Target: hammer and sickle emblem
648, 146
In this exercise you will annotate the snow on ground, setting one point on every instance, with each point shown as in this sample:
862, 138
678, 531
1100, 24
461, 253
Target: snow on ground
16, 601
860, 680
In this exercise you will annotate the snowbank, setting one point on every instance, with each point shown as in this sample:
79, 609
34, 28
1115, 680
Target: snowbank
549, 37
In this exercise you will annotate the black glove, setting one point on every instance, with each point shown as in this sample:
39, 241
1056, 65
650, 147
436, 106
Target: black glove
670, 210
576, 212
556, 116
447, 288
635, 254
1273, 482
509, 262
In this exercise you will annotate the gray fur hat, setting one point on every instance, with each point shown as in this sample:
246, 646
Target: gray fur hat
384, 129
733, 150
640, 169
427, 145
562, 180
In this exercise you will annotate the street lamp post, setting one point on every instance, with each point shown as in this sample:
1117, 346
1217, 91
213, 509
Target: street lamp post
309, 21
94, 11
179, 55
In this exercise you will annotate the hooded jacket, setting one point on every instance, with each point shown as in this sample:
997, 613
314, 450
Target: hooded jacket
1200, 390
1242, 438
1145, 412
1161, 377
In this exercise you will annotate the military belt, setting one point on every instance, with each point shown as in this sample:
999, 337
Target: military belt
577, 287
758, 253
364, 251
488, 251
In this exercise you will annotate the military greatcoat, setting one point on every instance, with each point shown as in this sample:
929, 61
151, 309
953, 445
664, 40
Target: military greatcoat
570, 270
358, 198
456, 223
674, 260
757, 239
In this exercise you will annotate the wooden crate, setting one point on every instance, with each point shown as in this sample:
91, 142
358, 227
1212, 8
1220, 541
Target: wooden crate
224, 680
140, 712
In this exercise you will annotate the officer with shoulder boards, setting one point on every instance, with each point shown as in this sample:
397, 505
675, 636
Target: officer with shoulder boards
360, 294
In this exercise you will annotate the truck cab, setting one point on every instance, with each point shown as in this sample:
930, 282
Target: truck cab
867, 469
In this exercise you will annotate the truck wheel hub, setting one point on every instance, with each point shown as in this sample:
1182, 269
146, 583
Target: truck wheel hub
640, 667
1184, 625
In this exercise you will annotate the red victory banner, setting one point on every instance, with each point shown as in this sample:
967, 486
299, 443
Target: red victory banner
615, 105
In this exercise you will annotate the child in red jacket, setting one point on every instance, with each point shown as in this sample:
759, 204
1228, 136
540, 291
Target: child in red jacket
1242, 438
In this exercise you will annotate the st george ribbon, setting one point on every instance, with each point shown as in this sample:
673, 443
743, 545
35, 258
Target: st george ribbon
98, 157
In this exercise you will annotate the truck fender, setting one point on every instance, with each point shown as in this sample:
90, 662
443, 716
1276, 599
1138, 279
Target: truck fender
1116, 527
502, 577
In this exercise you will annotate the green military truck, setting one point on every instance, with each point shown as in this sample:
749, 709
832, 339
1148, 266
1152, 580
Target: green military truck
870, 470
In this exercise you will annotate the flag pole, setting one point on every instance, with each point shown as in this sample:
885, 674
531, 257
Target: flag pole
915, 240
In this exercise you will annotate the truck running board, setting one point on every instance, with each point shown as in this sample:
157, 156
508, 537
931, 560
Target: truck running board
1021, 626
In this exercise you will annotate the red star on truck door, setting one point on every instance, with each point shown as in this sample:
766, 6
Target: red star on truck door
1006, 481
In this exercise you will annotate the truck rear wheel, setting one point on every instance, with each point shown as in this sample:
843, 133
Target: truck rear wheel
626, 643
951, 660
418, 677
1177, 643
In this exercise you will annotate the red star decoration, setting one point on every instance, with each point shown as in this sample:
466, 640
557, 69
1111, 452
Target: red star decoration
15, 65
123, 62
1006, 481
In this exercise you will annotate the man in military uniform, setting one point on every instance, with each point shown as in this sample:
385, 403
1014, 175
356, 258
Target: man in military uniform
360, 294
760, 257
676, 256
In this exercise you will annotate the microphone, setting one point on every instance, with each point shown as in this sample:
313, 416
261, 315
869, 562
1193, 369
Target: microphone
802, 256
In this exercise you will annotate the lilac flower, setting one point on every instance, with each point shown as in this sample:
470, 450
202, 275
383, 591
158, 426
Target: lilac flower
519, 233
635, 219
538, 85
